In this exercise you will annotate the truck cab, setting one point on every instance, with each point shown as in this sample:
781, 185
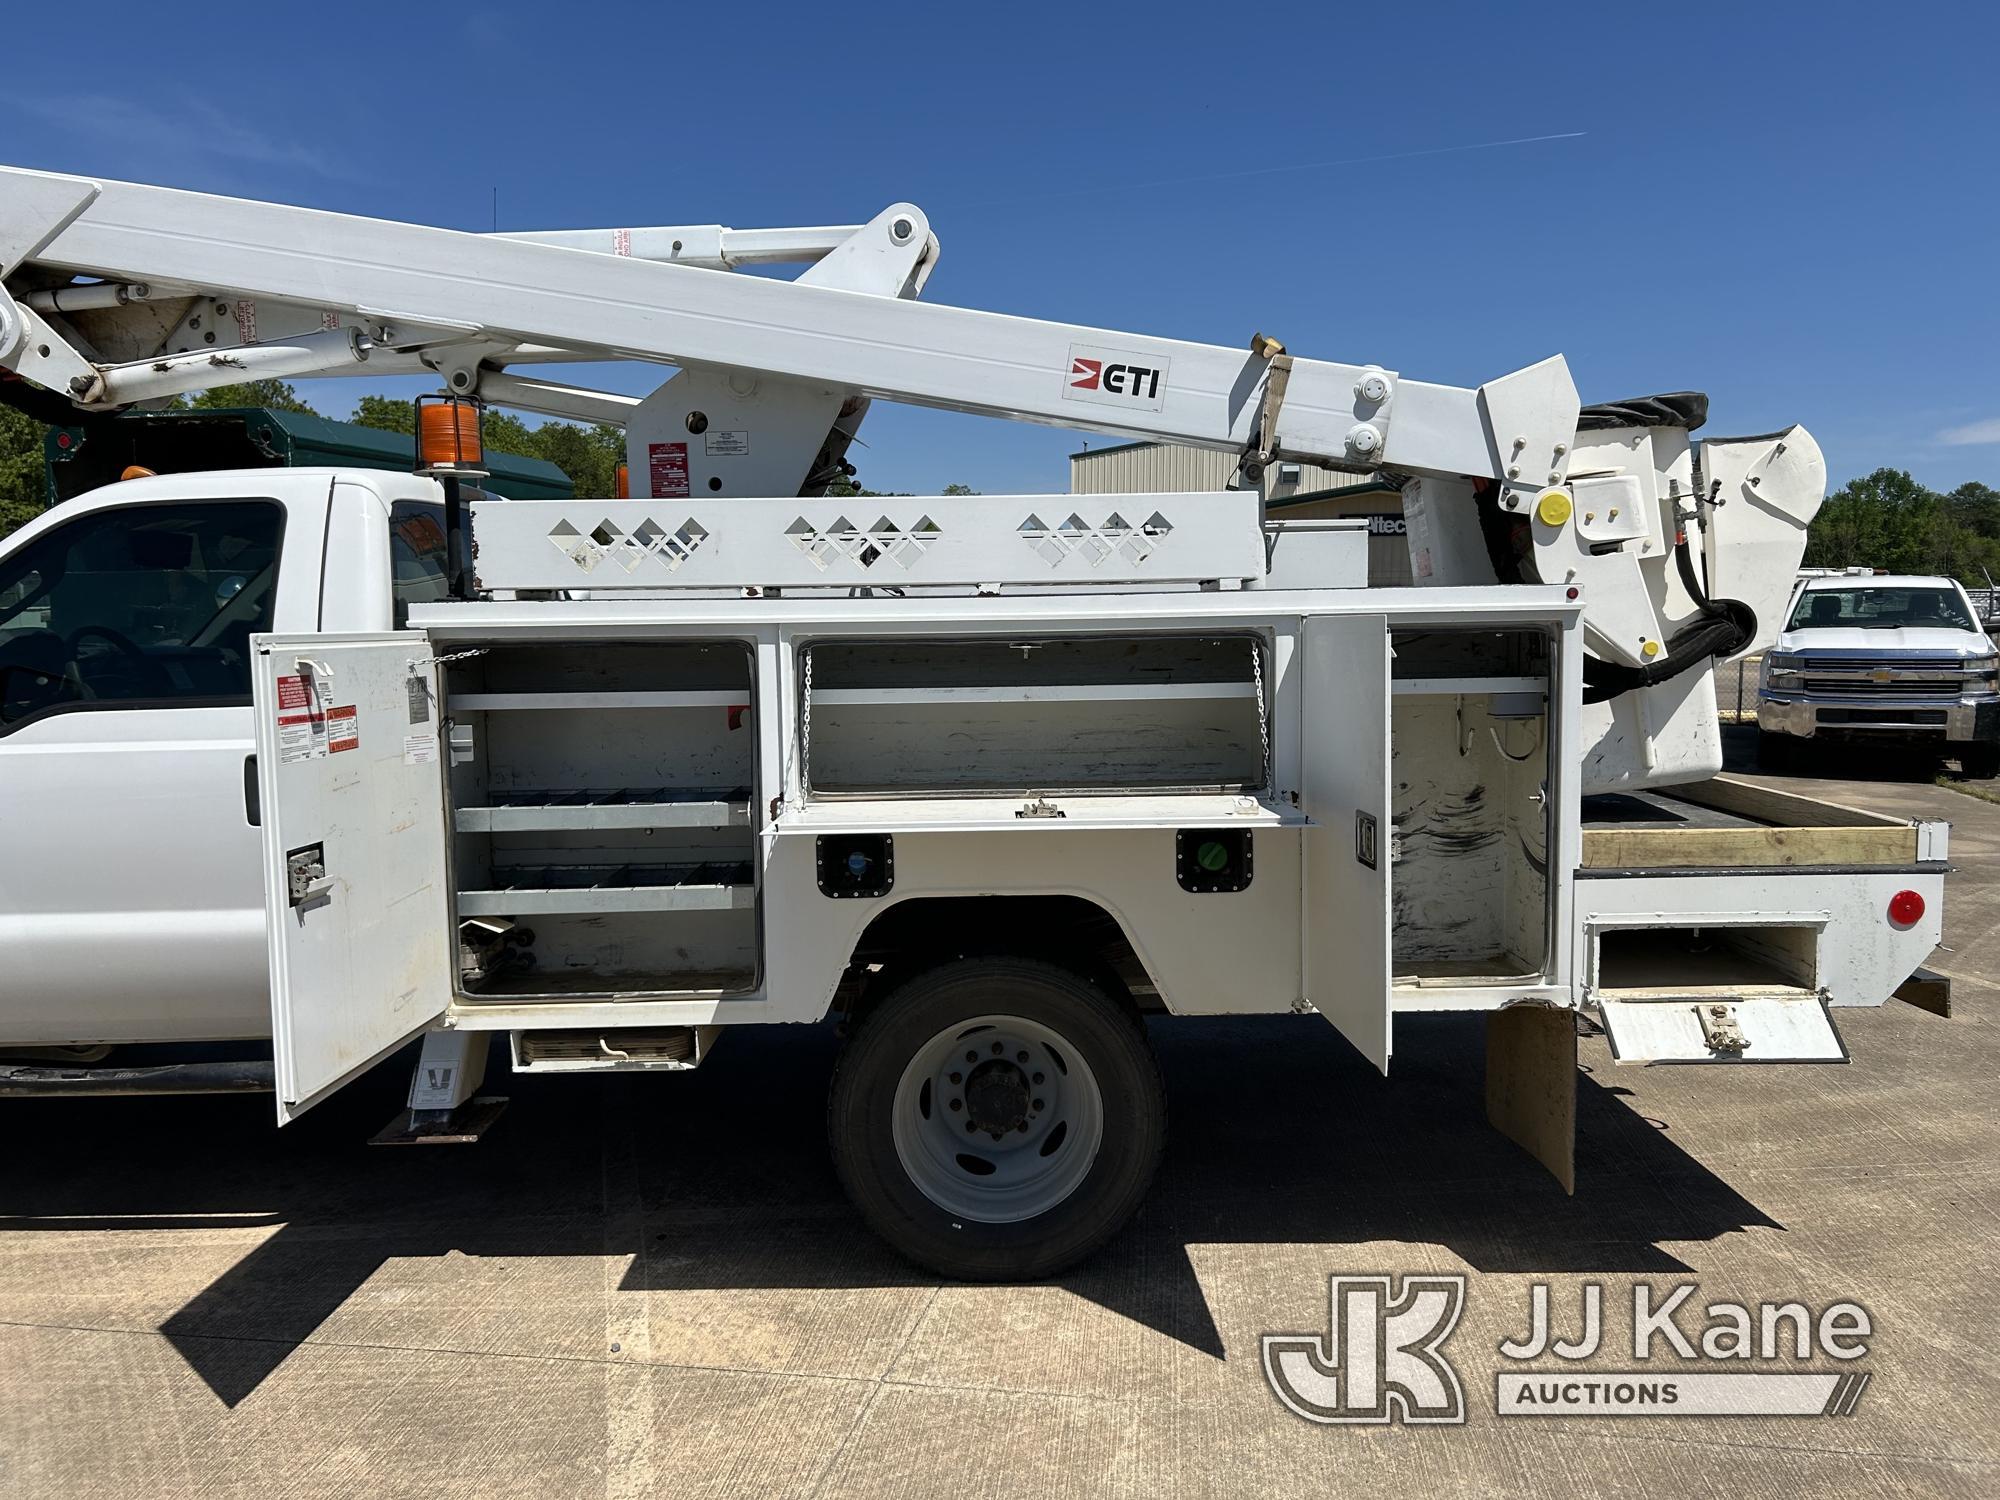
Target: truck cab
1885, 660
132, 900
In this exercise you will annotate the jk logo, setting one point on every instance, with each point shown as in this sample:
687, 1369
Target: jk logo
1381, 1359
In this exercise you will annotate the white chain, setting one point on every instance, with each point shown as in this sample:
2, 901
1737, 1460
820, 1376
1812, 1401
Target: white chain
1263, 717
806, 727
450, 656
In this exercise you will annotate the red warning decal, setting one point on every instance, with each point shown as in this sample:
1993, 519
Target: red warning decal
667, 470
343, 730
301, 725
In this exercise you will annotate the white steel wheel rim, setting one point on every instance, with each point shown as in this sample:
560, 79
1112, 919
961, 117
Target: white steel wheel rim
959, 1137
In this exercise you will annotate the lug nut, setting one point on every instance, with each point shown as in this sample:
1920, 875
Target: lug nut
956, 1105
1022, 1127
1038, 1078
972, 1057
1038, 1104
970, 1127
957, 1077
998, 1048
1020, 1057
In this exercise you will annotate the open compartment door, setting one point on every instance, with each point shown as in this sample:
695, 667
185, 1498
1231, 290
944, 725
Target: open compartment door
351, 785
1345, 785
1722, 1029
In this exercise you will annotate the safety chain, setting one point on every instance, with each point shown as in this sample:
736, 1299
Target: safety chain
1263, 716
450, 656
806, 726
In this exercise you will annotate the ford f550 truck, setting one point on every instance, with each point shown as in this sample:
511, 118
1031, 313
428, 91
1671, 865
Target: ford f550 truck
345, 759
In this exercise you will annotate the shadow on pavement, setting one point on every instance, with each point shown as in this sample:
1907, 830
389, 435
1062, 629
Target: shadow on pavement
1835, 761
719, 1179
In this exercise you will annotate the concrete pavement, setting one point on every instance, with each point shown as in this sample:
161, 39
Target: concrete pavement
653, 1287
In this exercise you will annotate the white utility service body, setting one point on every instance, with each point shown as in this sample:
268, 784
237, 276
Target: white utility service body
989, 776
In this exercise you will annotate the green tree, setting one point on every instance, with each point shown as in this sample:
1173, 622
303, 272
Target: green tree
1888, 520
23, 481
590, 456
278, 395
386, 413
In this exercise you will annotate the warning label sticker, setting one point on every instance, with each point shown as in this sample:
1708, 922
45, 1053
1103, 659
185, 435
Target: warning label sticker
301, 725
667, 470
734, 444
343, 730
419, 749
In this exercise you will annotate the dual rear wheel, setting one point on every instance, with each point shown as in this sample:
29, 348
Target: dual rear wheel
997, 1119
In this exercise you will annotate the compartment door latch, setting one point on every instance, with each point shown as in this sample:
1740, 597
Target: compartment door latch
1720, 1029
305, 873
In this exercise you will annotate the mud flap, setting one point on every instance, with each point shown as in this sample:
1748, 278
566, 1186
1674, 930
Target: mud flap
1704, 1029
1531, 1084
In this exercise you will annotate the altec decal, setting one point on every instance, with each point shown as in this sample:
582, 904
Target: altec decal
1116, 377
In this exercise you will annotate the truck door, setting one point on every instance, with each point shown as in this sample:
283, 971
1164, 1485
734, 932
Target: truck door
131, 903
1344, 779
361, 944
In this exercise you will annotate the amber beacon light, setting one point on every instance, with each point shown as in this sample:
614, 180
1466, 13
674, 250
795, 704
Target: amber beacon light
448, 440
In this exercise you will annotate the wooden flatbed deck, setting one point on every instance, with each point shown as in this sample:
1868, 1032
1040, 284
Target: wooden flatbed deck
1729, 823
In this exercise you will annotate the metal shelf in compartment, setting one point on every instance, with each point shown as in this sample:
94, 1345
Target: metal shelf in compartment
538, 811
714, 885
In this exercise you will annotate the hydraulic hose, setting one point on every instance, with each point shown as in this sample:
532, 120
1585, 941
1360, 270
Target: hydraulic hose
1722, 628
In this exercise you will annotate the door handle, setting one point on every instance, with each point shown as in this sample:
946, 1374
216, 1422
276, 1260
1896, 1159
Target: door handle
253, 813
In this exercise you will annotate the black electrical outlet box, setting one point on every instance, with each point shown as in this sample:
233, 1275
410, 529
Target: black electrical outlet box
855, 864
1211, 861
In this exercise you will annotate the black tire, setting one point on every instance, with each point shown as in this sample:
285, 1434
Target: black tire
1776, 752
860, 1108
1978, 762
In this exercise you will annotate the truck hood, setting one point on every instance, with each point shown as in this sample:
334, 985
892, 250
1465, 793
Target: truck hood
1851, 640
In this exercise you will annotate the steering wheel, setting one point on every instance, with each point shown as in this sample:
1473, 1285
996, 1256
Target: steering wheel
149, 671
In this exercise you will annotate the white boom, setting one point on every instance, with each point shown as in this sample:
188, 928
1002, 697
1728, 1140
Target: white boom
121, 293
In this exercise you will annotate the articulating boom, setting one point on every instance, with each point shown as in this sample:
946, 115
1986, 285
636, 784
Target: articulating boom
120, 294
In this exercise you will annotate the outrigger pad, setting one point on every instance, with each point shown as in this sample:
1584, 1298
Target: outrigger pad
1531, 1084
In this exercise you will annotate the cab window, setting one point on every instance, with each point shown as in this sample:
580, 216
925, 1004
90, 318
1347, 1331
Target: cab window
151, 604
416, 556
1871, 608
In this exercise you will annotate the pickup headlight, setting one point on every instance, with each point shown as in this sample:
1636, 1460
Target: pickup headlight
1983, 672
1784, 664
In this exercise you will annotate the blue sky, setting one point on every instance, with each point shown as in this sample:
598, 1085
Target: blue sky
1793, 207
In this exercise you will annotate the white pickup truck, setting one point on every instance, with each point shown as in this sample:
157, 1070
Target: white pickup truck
132, 892
1882, 660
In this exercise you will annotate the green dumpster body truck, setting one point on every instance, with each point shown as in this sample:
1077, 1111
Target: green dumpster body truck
87, 455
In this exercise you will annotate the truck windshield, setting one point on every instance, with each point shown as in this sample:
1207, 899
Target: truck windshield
1869, 608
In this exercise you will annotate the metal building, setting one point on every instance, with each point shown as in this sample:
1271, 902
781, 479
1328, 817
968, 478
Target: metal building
1304, 491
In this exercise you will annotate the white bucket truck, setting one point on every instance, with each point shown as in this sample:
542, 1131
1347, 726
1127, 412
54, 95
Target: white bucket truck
343, 759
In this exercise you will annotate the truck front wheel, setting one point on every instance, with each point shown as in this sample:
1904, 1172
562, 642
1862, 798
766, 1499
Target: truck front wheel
997, 1119
1978, 762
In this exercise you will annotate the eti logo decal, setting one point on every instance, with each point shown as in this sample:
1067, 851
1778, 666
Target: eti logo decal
1116, 377
1381, 1359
